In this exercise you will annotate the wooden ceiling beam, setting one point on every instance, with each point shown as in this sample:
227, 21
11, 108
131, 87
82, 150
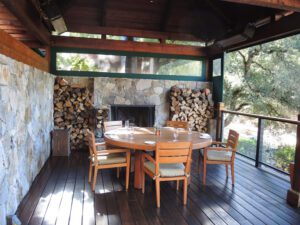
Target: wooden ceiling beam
293, 5
131, 32
10, 47
26, 13
286, 26
129, 46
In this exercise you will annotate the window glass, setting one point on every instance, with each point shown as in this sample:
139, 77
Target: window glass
217, 68
128, 64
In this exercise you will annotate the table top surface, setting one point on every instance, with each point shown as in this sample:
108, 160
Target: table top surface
121, 137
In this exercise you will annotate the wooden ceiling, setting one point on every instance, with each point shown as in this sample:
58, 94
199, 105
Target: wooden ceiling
225, 23
204, 20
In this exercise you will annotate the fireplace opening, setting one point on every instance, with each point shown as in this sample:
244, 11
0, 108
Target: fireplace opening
138, 115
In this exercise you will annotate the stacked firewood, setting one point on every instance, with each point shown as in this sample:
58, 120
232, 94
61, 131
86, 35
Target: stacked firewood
72, 105
194, 106
101, 116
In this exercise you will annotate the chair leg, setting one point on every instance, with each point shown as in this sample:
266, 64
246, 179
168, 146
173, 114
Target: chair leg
157, 185
232, 173
143, 182
127, 177
177, 185
185, 191
90, 172
204, 174
118, 172
199, 162
95, 177
226, 170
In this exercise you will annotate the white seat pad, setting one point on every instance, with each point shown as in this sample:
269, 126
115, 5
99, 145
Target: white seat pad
167, 170
113, 158
218, 155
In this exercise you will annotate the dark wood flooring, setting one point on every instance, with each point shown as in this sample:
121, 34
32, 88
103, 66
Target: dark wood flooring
62, 195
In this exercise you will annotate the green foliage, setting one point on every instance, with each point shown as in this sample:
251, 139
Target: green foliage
264, 79
247, 147
284, 156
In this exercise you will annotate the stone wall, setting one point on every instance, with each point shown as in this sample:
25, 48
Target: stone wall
26, 119
108, 91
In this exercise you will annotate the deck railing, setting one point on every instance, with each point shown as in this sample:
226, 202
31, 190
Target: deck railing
257, 154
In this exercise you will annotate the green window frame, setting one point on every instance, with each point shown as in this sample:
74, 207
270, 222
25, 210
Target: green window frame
54, 70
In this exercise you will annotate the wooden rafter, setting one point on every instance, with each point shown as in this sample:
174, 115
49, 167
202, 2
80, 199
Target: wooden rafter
293, 5
27, 14
131, 32
130, 46
165, 15
102, 12
219, 13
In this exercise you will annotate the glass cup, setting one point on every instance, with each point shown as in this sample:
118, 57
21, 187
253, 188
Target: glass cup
127, 124
190, 128
131, 132
175, 134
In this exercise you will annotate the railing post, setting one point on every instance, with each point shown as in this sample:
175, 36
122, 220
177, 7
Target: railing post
259, 142
293, 195
219, 108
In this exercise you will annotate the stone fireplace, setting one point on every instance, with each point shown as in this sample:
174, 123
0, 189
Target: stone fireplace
138, 115
137, 92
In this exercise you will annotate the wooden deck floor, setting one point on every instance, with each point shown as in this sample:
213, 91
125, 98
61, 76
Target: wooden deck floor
62, 195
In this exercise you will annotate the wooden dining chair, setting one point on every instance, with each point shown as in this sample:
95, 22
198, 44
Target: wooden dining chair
112, 125
220, 153
172, 163
178, 124
106, 159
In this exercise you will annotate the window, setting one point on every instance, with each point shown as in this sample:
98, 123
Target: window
217, 68
106, 63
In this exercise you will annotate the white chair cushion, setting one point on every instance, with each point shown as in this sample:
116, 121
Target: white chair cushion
112, 158
167, 170
217, 155
101, 147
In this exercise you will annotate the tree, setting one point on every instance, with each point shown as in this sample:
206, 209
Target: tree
264, 79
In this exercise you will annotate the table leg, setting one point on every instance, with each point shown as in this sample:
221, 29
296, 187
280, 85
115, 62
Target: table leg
138, 169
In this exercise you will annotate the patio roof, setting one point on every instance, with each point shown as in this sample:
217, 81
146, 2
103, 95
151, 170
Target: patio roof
219, 24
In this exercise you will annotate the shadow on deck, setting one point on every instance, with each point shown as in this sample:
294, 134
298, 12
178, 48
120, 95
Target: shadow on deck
61, 194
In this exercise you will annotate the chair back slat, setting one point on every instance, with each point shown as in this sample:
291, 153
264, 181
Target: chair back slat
174, 159
232, 140
173, 152
177, 124
178, 152
112, 125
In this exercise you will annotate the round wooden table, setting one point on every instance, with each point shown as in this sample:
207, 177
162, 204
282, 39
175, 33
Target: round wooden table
121, 138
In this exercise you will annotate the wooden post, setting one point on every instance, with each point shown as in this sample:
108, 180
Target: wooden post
259, 143
293, 195
219, 108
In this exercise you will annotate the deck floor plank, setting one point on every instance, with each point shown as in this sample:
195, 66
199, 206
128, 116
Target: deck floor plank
61, 194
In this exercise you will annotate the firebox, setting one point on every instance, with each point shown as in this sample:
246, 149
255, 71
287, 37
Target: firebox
138, 115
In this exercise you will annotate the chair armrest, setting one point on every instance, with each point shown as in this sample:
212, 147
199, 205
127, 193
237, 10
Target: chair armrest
112, 151
219, 149
147, 156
